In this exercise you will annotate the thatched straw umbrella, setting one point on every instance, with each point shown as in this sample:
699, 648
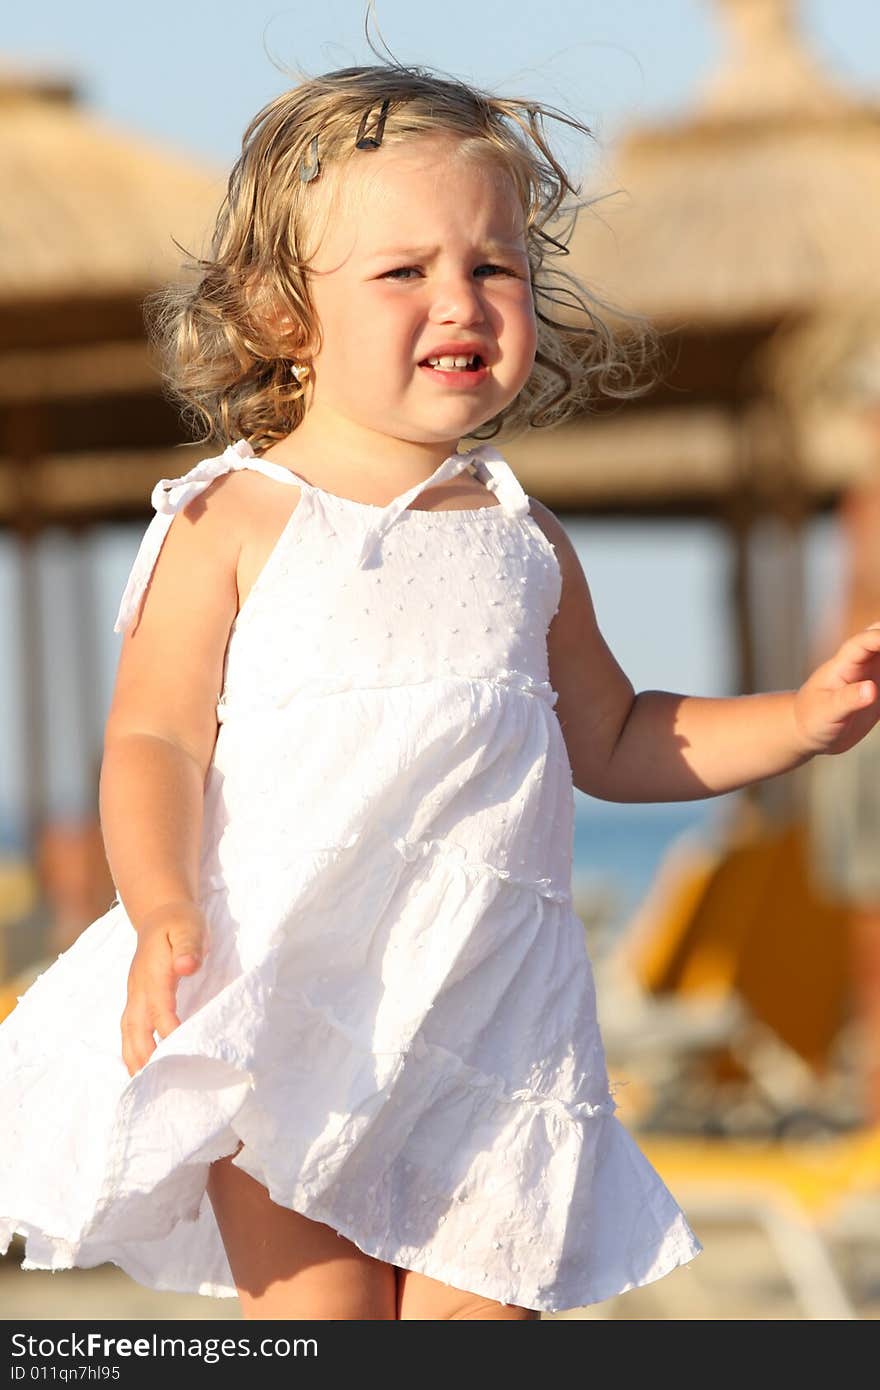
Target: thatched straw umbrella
759, 202
87, 221
745, 217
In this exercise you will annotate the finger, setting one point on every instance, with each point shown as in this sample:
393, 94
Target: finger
165, 1024
162, 989
855, 654
136, 1053
868, 640
132, 1062
857, 696
137, 1039
187, 964
187, 947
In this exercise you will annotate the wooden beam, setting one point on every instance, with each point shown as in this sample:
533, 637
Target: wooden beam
101, 369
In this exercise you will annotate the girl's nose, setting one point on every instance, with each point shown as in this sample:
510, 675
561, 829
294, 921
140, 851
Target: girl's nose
457, 300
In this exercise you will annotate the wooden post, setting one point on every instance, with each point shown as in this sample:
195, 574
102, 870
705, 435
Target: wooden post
85, 673
22, 446
775, 572
786, 638
739, 513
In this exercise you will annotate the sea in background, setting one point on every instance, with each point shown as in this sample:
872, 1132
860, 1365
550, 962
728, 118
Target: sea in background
660, 590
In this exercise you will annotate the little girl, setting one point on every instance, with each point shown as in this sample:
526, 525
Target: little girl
359, 1073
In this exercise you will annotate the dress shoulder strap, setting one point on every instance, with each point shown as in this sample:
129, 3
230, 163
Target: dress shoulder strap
171, 495
492, 468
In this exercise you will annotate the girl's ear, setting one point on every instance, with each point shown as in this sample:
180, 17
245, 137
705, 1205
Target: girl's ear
272, 320
282, 330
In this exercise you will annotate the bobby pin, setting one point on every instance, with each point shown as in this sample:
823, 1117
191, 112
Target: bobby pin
372, 142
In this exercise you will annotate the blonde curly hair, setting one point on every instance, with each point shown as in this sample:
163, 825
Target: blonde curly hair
223, 357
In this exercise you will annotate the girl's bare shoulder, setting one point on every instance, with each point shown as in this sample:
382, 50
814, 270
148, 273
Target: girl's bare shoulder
557, 535
232, 527
171, 661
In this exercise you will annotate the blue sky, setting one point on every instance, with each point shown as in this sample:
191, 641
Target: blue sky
191, 73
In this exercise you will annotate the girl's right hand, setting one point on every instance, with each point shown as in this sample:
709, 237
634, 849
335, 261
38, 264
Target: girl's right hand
172, 941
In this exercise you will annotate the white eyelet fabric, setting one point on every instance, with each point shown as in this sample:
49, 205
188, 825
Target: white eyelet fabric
396, 1015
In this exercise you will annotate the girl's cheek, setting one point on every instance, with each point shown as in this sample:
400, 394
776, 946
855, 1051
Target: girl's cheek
529, 330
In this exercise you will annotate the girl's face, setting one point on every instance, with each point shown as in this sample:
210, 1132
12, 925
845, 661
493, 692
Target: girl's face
423, 257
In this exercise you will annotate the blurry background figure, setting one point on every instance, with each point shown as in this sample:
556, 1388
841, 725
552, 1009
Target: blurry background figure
845, 792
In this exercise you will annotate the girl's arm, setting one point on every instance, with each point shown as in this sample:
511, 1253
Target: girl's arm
158, 742
660, 746
161, 727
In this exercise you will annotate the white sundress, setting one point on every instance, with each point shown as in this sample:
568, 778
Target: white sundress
396, 1016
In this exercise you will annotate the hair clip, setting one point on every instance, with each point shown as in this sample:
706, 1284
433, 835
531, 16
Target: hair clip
372, 142
309, 171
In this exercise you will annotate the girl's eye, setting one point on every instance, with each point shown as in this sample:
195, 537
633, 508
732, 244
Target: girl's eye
405, 270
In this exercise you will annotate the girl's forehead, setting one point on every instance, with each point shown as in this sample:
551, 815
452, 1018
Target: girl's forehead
413, 183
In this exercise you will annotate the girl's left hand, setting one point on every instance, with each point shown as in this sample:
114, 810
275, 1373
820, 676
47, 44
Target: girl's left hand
840, 702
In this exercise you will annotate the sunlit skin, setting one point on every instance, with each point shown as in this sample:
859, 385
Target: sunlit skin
460, 273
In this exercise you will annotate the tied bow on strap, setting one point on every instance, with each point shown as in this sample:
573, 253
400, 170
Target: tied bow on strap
169, 496
498, 476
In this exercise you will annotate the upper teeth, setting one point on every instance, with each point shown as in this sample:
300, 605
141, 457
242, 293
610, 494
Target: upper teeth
449, 362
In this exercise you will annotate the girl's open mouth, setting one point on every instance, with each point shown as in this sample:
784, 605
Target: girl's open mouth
472, 374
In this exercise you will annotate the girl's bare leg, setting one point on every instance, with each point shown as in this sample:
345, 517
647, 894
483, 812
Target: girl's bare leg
424, 1298
287, 1266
